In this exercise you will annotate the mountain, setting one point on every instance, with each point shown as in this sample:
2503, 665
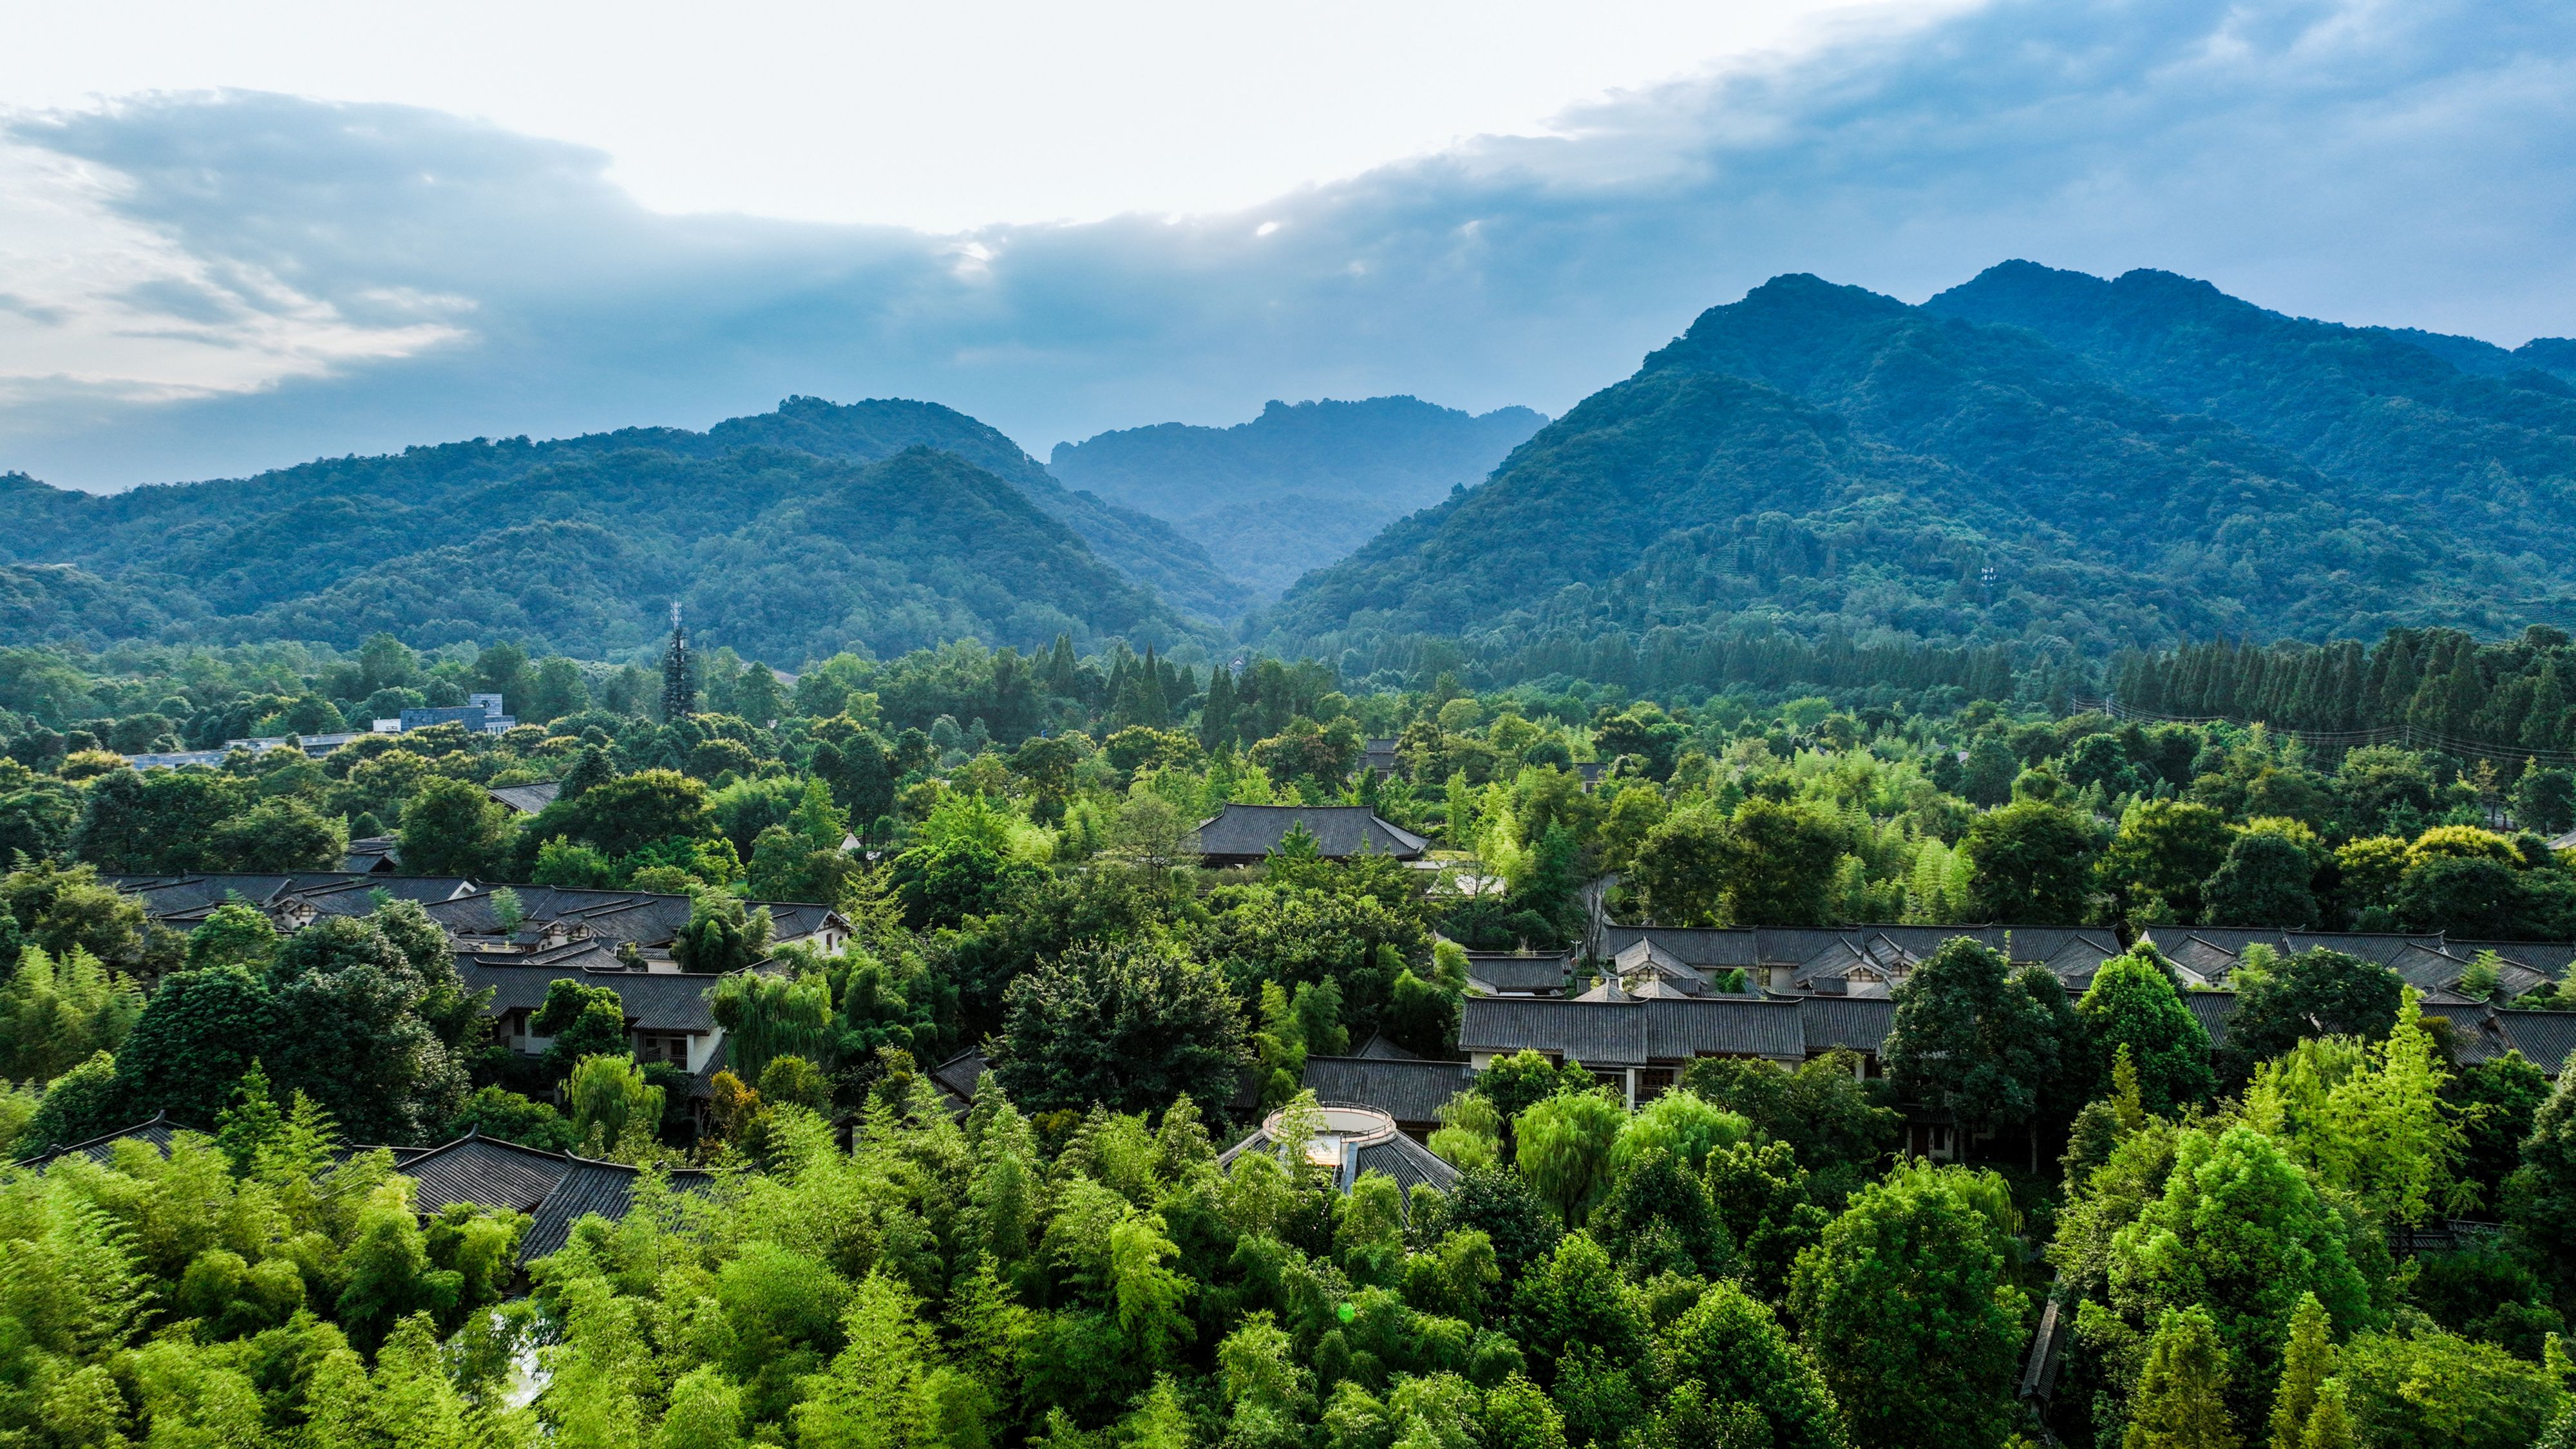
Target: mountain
783, 552
1299, 486
1143, 546
1827, 461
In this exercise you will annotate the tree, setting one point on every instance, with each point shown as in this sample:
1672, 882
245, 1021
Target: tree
2132, 1002
2540, 1197
580, 1021
1908, 1306
2545, 800
1127, 1025
2438, 1391
2317, 992
52, 1017
2163, 852
2307, 1361
1822, 1110
624, 815
2181, 1400
609, 1097
1563, 1147
1728, 1347
498, 1112
1779, 864
2029, 863
2239, 1231
281, 835
1679, 873
454, 827
2262, 882
1986, 775
155, 822
767, 1015
720, 935
1971, 1040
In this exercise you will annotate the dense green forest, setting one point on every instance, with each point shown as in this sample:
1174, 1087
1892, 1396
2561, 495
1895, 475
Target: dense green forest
1299, 486
1742, 1260
1839, 613
1826, 461
2439, 687
789, 534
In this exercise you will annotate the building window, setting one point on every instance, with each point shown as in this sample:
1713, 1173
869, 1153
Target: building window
662, 1046
1653, 1082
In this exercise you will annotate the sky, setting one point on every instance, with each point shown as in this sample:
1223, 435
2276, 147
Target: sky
238, 237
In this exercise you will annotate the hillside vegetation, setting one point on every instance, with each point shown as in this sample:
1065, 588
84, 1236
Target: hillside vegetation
2138, 462
1301, 485
788, 534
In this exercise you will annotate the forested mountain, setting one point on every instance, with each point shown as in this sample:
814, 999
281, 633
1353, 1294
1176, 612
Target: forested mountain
1824, 459
1301, 485
790, 534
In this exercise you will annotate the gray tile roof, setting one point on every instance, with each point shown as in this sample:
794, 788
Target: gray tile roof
527, 799
158, 1131
1633, 1032
1249, 832
1410, 1092
959, 1075
555, 1190
1699, 946
1377, 1048
654, 1000
1517, 974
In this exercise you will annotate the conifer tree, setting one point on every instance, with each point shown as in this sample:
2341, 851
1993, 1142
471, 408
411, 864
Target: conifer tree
679, 673
2305, 1365
2181, 1401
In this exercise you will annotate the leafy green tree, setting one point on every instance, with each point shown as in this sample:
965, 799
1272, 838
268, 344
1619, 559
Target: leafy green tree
1779, 864
454, 827
2545, 800
1575, 1300
52, 1017
1971, 1039
610, 1098
721, 935
82, 1103
2540, 1197
1986, 775
1729, 1349
1126, 1026
1765, 1201
2369, 1120
580, 1021
2239, 1231
2163, 852
2030, 864
2306, 1363
157, 821
1563, 1145
2182, 1395
2262, 882
281, 835
1822, 1110
63, 910
629, 813
1679, 1122
766, 1015
2317, 992
1909, 1309
2498, 1100
2439, 1391
1680, 869
499, 1112
2132, 1002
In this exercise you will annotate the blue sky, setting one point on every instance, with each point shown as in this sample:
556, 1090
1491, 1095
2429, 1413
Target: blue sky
197, 282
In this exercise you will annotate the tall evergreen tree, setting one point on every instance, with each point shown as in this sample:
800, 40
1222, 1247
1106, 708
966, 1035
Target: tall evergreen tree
2182, 1397
1216, 717
679, 672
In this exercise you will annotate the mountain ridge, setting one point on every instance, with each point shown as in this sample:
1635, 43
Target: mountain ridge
1823, 459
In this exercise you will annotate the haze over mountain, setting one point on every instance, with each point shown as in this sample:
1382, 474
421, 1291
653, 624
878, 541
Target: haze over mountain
788, 534
2139, 462
1299, 486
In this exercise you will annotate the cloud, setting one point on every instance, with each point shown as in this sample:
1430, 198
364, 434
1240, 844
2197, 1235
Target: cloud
384, 275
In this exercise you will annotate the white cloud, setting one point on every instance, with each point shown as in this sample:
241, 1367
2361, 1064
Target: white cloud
2356, 160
